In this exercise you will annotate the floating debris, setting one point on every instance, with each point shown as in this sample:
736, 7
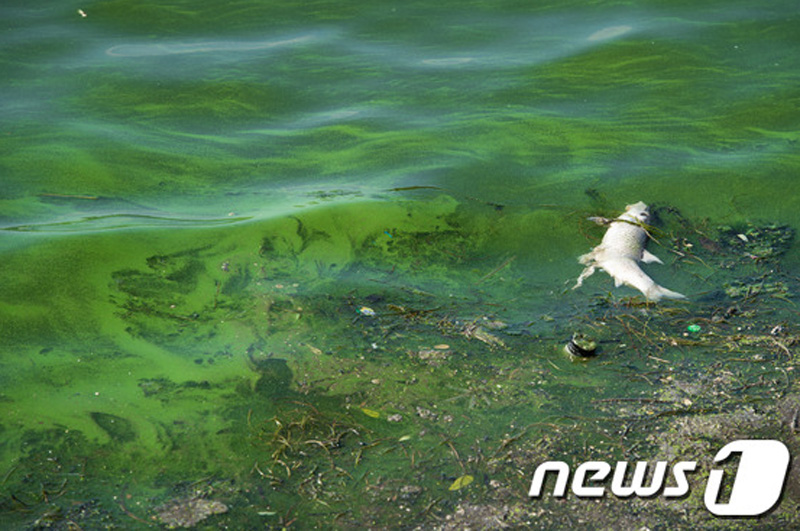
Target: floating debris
581, 346
370, 413
187, 512
431, 356
366, 311
493, 324
750, 287
600, 220
410, 491
461, 482
758, 242
476, 331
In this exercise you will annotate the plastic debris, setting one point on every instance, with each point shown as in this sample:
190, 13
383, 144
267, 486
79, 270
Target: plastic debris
461, 482
581, 346
188, 512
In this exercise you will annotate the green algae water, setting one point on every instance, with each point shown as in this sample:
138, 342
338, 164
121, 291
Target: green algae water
309, 264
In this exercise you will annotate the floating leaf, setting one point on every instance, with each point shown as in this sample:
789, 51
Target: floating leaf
315, 350
461, 482
371, 413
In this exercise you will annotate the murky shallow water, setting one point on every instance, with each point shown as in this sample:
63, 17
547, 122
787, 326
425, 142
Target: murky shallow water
312, 264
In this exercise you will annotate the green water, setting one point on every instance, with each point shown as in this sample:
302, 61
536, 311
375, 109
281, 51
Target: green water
312, 260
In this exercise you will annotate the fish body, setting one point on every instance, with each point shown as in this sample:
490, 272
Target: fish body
620, 252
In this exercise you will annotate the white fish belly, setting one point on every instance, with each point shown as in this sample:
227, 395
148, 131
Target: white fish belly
624, 240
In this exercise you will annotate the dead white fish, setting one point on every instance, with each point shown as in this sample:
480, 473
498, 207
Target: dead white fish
621, 251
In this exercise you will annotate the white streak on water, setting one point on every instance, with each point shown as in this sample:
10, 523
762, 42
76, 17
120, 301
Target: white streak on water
176, 48
448, 61
608, 33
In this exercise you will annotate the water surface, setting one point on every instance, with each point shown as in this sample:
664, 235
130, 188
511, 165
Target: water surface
304, 258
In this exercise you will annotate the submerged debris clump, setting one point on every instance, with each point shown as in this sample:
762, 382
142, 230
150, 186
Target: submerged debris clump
409, 401
759, 242
188, 512
754, 286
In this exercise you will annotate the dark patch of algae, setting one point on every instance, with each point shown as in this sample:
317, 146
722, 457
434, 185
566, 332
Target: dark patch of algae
378, 365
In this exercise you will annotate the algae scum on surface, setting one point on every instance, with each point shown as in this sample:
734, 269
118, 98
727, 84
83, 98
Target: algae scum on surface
373, 364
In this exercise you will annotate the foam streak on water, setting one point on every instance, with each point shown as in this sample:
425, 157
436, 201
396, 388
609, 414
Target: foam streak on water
176, 48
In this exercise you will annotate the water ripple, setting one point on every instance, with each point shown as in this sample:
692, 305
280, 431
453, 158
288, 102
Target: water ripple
122, 221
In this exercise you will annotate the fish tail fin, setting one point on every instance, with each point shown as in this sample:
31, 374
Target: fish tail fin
589, 271
656, 292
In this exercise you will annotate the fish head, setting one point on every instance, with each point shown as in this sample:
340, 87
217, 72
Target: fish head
637, 212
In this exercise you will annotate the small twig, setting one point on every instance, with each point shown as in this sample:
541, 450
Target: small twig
783, 347
631, 399
126, 511
497, 269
